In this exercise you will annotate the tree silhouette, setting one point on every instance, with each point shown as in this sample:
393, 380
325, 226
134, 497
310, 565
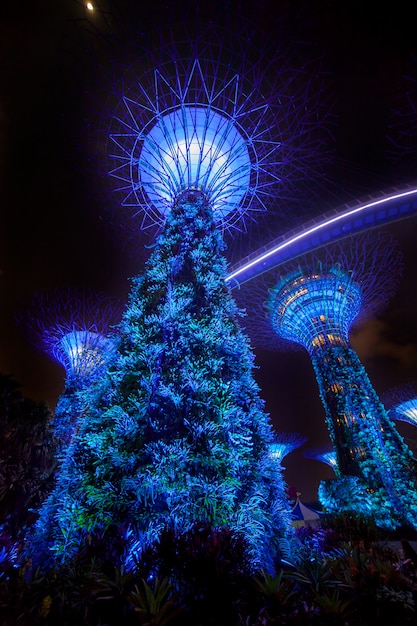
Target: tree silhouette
27, 458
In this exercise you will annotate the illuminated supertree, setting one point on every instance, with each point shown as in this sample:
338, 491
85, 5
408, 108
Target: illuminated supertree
284, 444
315, 305
325, 455
175, 432
73, 327
401, 403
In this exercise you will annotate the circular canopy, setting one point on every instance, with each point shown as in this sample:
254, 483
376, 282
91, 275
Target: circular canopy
195, 148
315, 309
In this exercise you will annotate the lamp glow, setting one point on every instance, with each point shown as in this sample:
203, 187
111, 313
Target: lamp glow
216, 123
315, 309
73, 326
195, 148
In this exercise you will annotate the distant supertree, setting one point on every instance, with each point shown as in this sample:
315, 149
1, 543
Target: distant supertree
284, 444
401, 403
314, 304
325, 455
73, 327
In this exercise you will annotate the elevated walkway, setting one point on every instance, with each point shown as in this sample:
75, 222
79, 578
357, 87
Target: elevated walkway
352, 218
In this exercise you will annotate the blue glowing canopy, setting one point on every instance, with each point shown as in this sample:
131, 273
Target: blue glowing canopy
195, 148
82, 352
407, 411
315, 309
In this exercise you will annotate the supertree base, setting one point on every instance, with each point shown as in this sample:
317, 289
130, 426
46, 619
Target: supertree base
348, 494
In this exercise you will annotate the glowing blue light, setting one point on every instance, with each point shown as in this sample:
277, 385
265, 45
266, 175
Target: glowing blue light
82, 352
327, 456
407, 411
315, 309
195, 148
402, 403
284, 444
191, 129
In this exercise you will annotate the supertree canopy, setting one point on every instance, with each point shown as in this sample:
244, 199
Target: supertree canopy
315, 305
325, 455
315, 309
194, 147
211, 112
284, 444
73, 326
401, 402
349, 296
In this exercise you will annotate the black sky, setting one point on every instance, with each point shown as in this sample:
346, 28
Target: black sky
52, 231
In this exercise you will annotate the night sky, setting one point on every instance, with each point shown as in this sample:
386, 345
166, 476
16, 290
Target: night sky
54, 231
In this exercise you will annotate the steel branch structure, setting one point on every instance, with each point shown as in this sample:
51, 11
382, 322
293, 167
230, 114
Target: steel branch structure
349, 261
243, 132
73, 327
402, 403
286, 443
325, 455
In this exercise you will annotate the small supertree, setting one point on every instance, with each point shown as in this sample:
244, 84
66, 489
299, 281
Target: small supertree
325, 455
284, 444
73, 327
401, 403
314, 304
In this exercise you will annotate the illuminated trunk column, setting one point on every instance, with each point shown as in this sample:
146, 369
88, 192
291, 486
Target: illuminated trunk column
316, 308
359, 426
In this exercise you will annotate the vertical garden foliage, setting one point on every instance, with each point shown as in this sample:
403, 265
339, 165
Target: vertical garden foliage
316, 306
374, 465
176, 432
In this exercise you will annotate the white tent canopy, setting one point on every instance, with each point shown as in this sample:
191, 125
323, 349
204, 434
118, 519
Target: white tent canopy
303, 515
